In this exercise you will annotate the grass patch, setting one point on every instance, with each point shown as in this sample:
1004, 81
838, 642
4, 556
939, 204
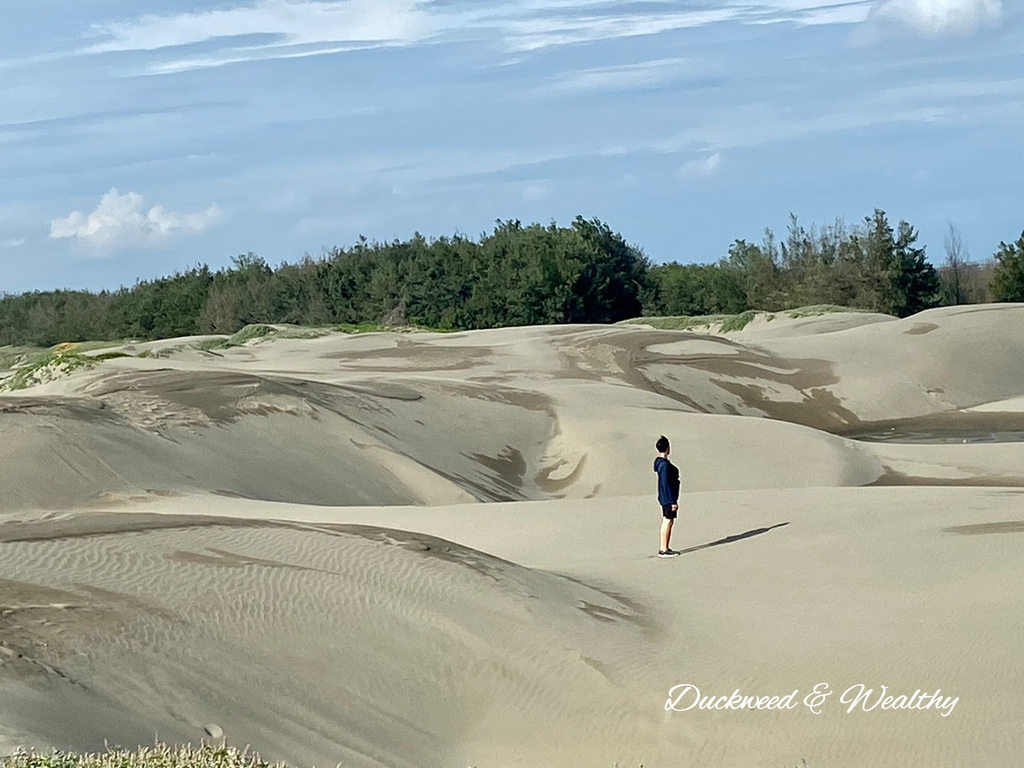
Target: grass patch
209, 345
12, 357
260, 331
18, 357
56, 366
738, 322
733, 323
679, 322
91, 346
160, 756
239, 338
359, 328
378, 328
163, 352
250, 333
34, 367
820, 309
727, 323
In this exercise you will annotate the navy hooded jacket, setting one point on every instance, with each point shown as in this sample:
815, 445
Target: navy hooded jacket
668, 481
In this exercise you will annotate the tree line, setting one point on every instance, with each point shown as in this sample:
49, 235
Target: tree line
526, 275
871, 265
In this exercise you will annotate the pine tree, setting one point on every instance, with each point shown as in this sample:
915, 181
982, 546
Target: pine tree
915, 283
1008, 277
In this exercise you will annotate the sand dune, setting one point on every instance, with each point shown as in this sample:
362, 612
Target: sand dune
369, 645
436, 549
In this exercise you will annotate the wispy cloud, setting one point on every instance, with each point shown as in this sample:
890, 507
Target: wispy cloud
268, 29
55, 125
261, 30
817, 14
280, 29
543, 32
752, 127
287, 22
947, 89
646, 74
556, 23
123, 221
703, 166
535, 192
706, 143
259, 53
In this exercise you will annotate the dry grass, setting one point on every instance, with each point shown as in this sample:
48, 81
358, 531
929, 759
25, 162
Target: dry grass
159, 756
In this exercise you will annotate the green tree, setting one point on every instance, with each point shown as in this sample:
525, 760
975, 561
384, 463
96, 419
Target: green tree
1008, 275
679, 289
238, 296
914, 281
757, 268
898, 278
613, 277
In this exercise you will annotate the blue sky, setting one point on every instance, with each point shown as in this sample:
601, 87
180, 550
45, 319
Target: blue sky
141, 137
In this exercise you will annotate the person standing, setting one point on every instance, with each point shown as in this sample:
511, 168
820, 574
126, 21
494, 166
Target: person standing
668, 494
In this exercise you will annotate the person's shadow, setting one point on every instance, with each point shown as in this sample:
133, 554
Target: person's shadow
731, 539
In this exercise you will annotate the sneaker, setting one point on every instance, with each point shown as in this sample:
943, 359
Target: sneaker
668, 553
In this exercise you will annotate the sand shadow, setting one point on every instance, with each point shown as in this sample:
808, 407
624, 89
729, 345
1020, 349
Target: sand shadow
731, 539
1010, 526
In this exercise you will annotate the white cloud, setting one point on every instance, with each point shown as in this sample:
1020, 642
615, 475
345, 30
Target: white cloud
933, 18
14, 243
698, 167
123, 221
645, 74
534, 192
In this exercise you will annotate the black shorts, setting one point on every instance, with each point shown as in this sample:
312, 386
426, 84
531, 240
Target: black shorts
668, 512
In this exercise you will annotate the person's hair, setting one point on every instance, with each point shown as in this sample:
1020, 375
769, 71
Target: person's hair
662, 444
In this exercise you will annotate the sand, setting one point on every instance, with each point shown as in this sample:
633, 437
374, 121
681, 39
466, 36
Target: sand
438, 549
